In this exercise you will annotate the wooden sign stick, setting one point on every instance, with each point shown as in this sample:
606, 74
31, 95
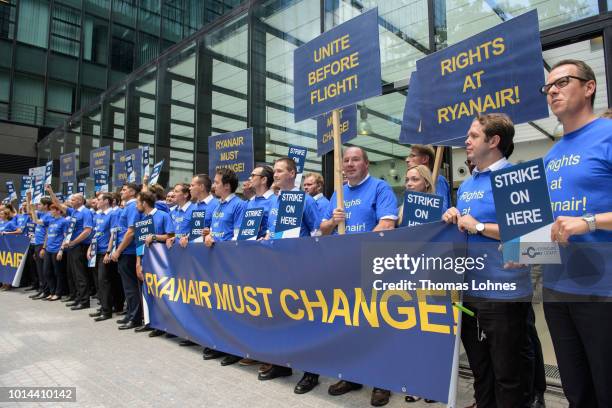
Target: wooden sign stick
437, 163
338, 185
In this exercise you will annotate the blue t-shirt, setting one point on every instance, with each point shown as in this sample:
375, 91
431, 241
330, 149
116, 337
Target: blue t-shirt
21, 220
443, 190
41, 230
226, 218
209, 208
8, 226
83, 220
162, 206
162, 222
475, 197
266, 202
56, 229
103, 223
322, 204
365, 205
311, 219
127, 218
579, 175
182, 219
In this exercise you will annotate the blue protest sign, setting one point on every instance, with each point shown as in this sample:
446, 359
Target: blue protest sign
93, 249
251, 221
81, 188
349, 328
196, 226
68, 167
13, 249
48, 172
29, 229
156, 171
120, 174
10, 188
145, 156
233, 150
348, 129
338, 68
421, 208
39, 188
101, 180
144, 228
69, 188
60, 197
129, 169
298, 154
290, 212
99, 159
498, 70
68, 236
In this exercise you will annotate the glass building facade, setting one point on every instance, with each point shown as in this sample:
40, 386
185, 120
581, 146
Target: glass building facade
57, 55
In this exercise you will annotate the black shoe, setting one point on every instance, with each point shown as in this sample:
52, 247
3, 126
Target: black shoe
123, 321
307, 383
380, 397
230, 359
103, 317
211, 354
30, 289
41, 295
539, 402
275, 372
129, 325
80, 306
71, 304
186, 343
121, 312
68, 299
96, 314
144, 328
35, 295
170, 335
342, 387
156, 333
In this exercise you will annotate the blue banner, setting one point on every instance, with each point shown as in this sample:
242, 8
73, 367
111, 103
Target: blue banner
69, 231
48, 172
251, 221
143, 228
101, 180
13, 249
498, 70
39, 189
348, 129
69, 188
233, 150
81, 188
290, 212
99, 159
129, 169
145, 156
10, 188
156, 171
421, 208
298, 154
197, 225
68, 167
253, 298
338, 68
120, 174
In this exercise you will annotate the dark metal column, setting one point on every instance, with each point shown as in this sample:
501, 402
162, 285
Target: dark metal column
256, 84
607, 37
132, 113
203, 106
162, 120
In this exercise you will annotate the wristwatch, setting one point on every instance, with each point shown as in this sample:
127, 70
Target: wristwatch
480, 227
590, 220
154, 238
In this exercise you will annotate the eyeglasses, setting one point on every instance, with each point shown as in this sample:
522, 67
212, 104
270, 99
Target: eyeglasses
560, 83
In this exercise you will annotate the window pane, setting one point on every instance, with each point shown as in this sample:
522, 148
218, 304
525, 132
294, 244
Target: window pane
66, 30
95, 40
122, 55
27, 32
7, 19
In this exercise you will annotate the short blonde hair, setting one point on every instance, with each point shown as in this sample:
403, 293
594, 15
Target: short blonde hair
425, 173
317, 178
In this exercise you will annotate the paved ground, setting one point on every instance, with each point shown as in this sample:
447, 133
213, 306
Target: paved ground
44, 344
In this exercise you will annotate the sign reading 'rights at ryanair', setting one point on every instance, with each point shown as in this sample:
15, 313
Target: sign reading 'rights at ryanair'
338, 68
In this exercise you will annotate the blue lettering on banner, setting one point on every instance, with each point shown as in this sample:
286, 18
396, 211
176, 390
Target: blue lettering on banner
325, 129
338, 68
233, 150
522, 202
68, 168
251, 221
319, 314
421, 208
120, 174
290, 212
498, 70
99, 159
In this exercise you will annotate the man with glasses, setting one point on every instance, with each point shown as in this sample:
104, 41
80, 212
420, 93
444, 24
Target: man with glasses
577, 292
425, 154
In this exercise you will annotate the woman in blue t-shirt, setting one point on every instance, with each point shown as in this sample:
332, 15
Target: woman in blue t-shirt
57, 226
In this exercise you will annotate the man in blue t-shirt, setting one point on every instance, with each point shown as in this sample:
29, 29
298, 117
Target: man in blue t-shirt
76, 248
200, 187
181, 214
577, 292
425, 154
261, 180
313, 185
369, 205
125, 256
495, 356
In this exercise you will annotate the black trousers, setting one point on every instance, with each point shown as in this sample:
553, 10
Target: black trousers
534, 376
493, 340
77, 261
581, 333
40, 270
30, 269
56, 274
131, 287
110, 290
